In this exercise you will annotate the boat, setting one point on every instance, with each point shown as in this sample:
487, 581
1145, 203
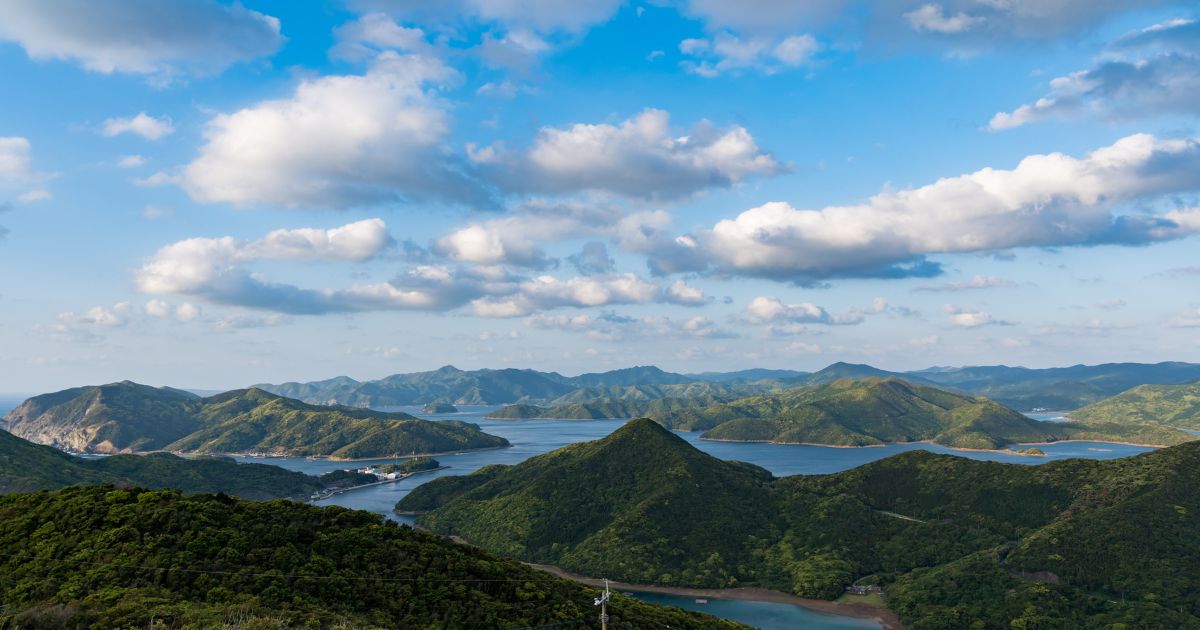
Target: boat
701, 600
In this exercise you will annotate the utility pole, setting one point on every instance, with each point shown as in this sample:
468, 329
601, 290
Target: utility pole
602, 602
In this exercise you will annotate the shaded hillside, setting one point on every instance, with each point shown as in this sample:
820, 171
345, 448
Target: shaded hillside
25, 467
104, 557
948, 538
112, 418
1167, 405
861, 413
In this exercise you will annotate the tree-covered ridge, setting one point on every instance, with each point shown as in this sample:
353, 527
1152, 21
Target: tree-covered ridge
104, 557
955, 542
125, 417
25, 467
1167, 405
864, 412
444, 385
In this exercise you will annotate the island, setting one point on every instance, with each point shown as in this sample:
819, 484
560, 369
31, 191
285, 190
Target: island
440, 407
952, 542
128, 417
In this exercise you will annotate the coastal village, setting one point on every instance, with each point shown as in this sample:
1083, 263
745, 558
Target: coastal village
351, 479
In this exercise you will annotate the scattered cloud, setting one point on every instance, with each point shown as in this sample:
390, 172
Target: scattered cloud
15, 162
374, 33
613, 327
548, 292
159, 38
142, 124
727, 53
637, 158
930, 18
338, 141
131, 161
966, 317
241, 321
516, 239
1049, 200
974, 282
766, 309
1152, 72
1187, 319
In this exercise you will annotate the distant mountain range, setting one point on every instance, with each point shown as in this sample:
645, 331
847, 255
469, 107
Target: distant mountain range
954, 543
1016, 387
128, 417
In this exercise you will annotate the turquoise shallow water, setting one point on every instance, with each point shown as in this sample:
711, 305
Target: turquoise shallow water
764, 615
533, 437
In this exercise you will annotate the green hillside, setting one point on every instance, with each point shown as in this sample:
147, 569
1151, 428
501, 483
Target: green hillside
101, 557
956, 543
1165, 405
861, 413
112, 419
25, 467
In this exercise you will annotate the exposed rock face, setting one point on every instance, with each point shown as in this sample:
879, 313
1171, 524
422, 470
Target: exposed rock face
117, 418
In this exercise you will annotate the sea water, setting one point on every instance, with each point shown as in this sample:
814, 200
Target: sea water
534, 437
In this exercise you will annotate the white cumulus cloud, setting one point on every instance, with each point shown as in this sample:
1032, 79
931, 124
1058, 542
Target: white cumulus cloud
337, 141
1047, 200
142, 124
639, 157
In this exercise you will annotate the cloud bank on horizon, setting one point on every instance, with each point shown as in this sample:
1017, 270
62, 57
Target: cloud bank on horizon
604, 182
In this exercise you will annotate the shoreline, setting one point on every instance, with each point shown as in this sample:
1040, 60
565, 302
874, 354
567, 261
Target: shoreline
932, 443
326, 495
887, 618
327, 458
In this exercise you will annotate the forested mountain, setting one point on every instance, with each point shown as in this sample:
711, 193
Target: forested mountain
861, 413
25, 467
103, 557
127, 417
1168, 405
626, 377
956, 543
445, 385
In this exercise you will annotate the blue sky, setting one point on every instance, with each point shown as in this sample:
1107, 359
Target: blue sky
209, 194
